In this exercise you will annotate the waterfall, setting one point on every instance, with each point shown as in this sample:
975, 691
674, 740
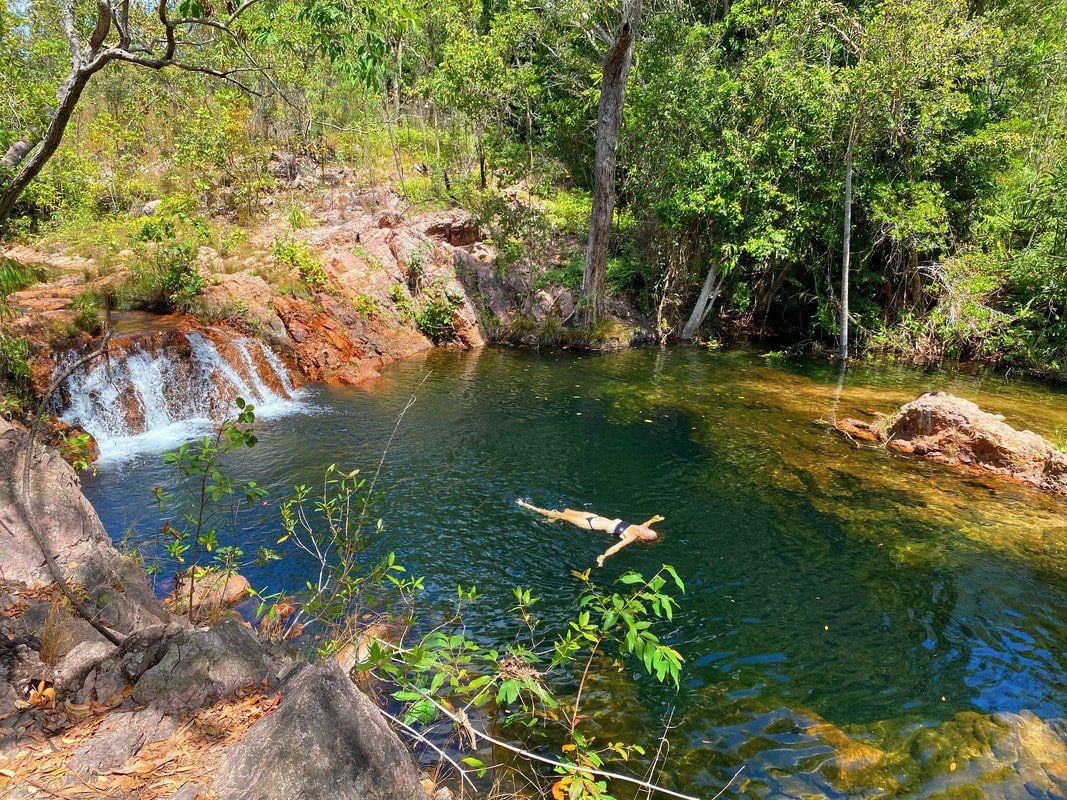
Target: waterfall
158, 388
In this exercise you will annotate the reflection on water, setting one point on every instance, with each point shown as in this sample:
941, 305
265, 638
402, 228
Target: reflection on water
853, 616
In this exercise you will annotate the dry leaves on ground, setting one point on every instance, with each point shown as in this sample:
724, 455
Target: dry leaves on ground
190, 755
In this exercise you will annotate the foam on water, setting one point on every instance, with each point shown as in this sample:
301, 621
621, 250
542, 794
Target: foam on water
143, 402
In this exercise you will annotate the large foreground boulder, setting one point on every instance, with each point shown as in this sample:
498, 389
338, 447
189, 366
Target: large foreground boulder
116, 588
325, 741
950, 430
60, 512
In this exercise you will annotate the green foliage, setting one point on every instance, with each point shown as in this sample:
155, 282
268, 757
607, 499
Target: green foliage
16, 374
15, 364
213, 497
365, 305
88, 308
77, 450
404, 306
737, 121
15, 275
294, 253
227, 167
529, 684
334, 526
166, 276
435, 315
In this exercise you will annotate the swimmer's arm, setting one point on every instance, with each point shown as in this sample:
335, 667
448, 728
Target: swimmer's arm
626, 539
653, 520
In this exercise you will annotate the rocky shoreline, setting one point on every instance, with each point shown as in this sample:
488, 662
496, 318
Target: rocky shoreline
175, 710
378, 265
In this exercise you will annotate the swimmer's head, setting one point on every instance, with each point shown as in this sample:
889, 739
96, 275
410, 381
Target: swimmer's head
646, 534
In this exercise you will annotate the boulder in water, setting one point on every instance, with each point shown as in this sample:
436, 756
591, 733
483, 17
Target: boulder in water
950, 430
213, 591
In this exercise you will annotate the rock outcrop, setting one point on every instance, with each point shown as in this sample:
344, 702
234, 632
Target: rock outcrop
325, 740
59, 510
950, 430
178, 668
171, 693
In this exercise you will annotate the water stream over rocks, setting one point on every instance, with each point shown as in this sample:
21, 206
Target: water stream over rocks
162, 385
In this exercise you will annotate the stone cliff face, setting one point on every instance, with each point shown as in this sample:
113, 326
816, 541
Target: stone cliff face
380, 272
380, 268
375, 285
950, 430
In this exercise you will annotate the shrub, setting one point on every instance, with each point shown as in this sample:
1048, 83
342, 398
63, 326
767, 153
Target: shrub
15, 275
295, 254
607, 329
434, 318
405, 308
551, 332
15, 363
365, 305
167, 277
87, 313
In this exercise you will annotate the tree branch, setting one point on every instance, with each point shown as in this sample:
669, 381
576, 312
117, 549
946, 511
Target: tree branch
71, 31
462, 720
102, 27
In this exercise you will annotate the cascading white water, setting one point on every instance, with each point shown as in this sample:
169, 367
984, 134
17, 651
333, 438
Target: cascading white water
145, 398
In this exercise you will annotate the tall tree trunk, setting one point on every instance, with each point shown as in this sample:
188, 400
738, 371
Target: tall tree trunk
709, 293
609, 121
846, 248
68, 95
482, 182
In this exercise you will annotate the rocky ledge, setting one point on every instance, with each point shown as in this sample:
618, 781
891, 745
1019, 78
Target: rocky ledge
176, 709
950, 430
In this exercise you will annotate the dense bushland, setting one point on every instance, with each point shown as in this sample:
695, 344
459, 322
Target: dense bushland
738, 123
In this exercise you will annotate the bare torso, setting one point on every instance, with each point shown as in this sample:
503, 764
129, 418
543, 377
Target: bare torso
627, 532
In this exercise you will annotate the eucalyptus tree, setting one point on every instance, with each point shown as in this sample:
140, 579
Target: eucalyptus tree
614, 75
183, 34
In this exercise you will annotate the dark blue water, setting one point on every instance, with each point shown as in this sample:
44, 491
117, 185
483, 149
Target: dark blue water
883, 594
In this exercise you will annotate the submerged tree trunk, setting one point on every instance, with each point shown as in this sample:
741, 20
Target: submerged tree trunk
846, 249
709, 293
609, 121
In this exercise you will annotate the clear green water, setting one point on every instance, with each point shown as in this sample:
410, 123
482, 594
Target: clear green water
886, 595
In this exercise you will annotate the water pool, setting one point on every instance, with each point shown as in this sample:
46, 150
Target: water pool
892, 597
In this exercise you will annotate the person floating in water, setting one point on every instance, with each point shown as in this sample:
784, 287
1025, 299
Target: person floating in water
627, 533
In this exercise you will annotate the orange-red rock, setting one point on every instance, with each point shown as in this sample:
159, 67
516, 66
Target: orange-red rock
950, 430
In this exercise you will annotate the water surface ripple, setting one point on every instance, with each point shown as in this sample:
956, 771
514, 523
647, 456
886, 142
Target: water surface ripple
890, 596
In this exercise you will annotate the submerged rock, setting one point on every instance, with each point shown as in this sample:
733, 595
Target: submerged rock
950, 430
213, 591
325, 740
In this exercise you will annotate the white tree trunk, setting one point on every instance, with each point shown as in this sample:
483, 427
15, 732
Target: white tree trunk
846, 250
709, 293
